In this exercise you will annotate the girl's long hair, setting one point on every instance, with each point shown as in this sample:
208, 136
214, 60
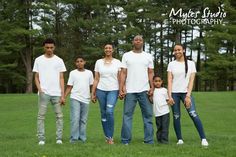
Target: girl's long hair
185, 59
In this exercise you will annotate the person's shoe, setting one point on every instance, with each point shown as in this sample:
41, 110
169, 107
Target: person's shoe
126, 144
110, 141
180, 142
59, 142
204, 143
41, 143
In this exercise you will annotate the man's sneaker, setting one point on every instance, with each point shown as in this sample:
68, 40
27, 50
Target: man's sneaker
180, 142
41, 143
59, 142
204, 143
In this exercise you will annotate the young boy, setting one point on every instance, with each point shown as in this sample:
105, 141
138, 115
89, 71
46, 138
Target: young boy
161, 110
79, 84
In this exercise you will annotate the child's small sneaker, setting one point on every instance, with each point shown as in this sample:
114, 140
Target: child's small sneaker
41, 143
204, 143
59, 142
180, 142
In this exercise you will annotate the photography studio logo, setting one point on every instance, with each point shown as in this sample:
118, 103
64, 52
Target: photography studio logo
190, 17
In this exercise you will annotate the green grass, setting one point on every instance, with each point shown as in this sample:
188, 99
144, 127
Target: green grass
217, 111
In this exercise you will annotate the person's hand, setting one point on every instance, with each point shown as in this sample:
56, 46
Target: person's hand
171, 101
62, 101
150, 99
94, 98
187, 102
150, 92
122, 93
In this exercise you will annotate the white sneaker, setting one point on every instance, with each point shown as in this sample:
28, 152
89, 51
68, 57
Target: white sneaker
204, 143
180, 142
59, 142
41, 143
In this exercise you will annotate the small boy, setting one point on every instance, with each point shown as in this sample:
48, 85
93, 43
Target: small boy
161, 110
79, 85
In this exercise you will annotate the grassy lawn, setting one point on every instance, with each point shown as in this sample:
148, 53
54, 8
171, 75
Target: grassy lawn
18, 112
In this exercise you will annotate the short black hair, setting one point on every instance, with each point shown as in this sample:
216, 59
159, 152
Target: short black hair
81, 57
49, 41
155, 76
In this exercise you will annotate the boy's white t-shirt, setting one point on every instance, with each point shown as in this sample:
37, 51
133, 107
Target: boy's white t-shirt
180, 82
160, 106
81, 81
49, 73
137, 65
108, 80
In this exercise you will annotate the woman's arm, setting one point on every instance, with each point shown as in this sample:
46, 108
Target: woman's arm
170, 80
187, 99
190, 84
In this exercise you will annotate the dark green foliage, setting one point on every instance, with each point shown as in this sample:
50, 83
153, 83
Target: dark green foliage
83, 27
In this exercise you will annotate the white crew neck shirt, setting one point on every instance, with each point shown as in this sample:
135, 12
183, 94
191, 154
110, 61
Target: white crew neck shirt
49, 70
81, 81
137, 65
160, 106
108, 80
180, 82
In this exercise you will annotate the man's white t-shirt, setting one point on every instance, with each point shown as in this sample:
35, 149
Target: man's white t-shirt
160, 106
180, 82
81, 81
49, 73
108, 80
137, 65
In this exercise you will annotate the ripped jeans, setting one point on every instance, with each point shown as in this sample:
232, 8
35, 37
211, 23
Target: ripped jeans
107, 101
192, 113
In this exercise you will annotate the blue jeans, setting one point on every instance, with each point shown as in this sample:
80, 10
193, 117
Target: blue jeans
107, 101
191, 111
78, 120
146, 108
43, 102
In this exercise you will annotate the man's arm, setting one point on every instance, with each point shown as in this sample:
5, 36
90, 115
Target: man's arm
62, 100
37, 82
150, 78
122, 87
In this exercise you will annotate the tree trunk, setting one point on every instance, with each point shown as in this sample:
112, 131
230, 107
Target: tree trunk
161, 55
198, 67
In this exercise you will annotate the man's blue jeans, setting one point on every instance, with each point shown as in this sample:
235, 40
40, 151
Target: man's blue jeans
78, 120
146, 108
107, 101
192, 113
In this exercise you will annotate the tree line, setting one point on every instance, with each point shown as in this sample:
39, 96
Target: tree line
82, 27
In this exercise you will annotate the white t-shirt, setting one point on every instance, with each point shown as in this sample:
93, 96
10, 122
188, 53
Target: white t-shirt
180, 82
81, 81
49, 73
160, 106
137, 65
108, 80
